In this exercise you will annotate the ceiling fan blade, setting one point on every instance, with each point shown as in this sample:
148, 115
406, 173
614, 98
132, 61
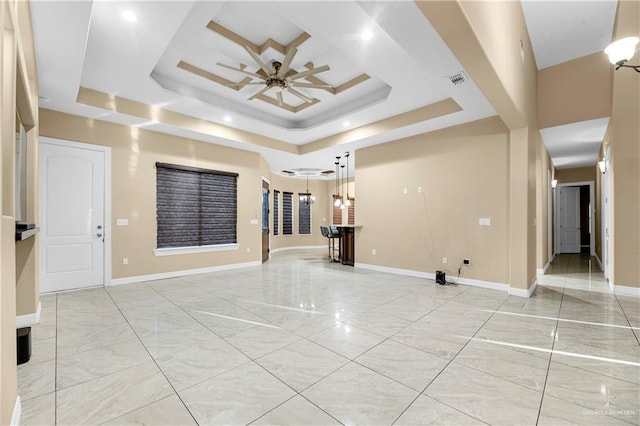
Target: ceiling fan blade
257, 60
309, 72
259, 92
287, 61
300, 95
279, 96
243, 84
252, 74
311, 85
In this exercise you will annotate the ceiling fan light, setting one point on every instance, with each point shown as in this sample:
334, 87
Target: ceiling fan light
622, 50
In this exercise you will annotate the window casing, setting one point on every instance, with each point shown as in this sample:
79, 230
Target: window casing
195, 207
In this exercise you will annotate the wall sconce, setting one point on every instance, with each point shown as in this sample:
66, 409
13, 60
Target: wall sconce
554, 183
602, 165
621, 51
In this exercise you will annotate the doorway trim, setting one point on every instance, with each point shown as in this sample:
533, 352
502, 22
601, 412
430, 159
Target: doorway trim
106, 270
267, 181
550, 251
592, 219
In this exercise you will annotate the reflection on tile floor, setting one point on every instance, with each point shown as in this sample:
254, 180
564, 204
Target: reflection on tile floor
301, 341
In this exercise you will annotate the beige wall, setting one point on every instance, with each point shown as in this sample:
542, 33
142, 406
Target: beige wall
625, 147
463, 172
491, 41
543, 190
574, 91
134, 153
18, 263
319, 217
579, 174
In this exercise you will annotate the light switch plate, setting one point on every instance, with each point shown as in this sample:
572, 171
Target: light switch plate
122, 222
254, 221
485, 221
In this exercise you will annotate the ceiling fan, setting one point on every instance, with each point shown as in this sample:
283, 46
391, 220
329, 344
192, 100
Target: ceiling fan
279, 79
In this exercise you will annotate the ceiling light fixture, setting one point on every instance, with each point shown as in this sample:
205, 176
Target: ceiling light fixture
278, 78
554, 183
602, 165
621, 51
345, 124
228, 118
129, 16
343, 205
366, 35
307, 198
338, 200
347, 201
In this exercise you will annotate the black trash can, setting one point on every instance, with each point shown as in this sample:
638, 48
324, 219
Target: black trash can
23, 344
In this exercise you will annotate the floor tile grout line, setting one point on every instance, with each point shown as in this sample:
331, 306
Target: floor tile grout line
156, 364
636, 334
449, 363
553, 344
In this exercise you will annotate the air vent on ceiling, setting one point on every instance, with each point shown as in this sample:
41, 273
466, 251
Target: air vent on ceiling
458, 79
289, 172
327, 172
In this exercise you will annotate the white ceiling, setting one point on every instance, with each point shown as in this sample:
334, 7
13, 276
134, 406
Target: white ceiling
88, 44
575, 144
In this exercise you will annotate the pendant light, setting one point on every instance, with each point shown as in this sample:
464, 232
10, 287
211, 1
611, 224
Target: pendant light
342, 204
337, 201
347, 201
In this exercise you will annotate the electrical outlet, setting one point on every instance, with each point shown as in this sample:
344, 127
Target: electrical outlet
445, 260
419, 190
125, 260
467, 262
248, 249
373, 252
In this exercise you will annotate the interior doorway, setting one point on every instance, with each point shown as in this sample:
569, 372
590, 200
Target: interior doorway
74, 181
265, 220
575, 221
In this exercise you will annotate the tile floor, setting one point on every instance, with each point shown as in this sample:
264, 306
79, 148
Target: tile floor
301, 341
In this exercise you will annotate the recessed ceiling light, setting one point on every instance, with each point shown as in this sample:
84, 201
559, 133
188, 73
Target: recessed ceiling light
345, 124
366, 35
227, 118
129, 16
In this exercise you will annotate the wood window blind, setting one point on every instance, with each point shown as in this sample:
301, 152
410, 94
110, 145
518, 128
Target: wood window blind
195, 207
351, 220
337, 212
287, 213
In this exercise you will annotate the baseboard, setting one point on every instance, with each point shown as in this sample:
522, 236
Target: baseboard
546, 267
182, 273
626, 291
29, 319
524, 293
599, 262
419, 274
298, 248
17, 412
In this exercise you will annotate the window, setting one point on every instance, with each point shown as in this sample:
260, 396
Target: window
287, 213
276, 213
195, 207
304, 215
337, 212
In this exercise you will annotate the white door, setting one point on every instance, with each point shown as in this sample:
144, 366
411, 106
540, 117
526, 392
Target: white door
569, 217
72, 194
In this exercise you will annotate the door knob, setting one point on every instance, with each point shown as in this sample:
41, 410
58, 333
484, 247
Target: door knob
98, 235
